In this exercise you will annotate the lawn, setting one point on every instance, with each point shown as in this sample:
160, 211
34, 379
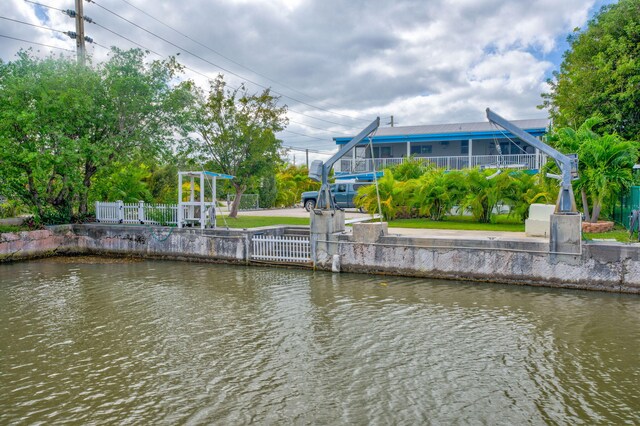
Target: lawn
12, 228
503, 223
466, 223
619, 234
258, 221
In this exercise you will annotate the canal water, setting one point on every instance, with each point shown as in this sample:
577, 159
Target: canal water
88, 340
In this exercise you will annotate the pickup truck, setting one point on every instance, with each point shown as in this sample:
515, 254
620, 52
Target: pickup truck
343, 193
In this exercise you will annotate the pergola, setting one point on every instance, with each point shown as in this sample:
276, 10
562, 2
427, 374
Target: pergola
202, 210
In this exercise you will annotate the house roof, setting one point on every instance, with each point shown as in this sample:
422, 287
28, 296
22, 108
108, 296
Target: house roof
454, 131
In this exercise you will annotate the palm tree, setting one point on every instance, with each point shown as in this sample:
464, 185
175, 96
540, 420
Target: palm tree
526, 189
605, 163
607, 169
391, 193
437, 191
485, 192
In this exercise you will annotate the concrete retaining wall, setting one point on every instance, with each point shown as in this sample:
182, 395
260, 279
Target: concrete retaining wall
126, 240
600, 266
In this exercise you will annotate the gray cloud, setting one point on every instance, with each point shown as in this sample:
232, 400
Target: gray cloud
421, 61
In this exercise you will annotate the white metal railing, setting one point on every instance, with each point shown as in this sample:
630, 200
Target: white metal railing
281, 248
515, 161
140, 212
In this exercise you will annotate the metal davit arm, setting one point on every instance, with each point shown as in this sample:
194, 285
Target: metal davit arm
568, 165
319, 171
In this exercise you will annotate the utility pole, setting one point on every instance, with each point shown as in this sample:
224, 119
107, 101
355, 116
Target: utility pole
391, 122
307, 154
80, 49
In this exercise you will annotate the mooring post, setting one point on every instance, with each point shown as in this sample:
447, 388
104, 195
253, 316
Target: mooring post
324, 223
565, 233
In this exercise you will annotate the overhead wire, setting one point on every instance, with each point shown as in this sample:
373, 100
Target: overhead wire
44, 5
32, 25
161, 56
224, 56
219, 66
36, 43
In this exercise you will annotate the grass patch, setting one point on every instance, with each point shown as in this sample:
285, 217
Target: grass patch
465, 223
12, 228
503, 223
258, 221
620, 235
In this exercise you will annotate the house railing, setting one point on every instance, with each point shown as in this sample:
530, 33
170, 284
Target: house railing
514, 161
119, 212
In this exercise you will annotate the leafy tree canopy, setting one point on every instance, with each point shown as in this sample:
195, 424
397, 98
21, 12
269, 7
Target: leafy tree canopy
237, 134
60, 123
605, 163
600, 73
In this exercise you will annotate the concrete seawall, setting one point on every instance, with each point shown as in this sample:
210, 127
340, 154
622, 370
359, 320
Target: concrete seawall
600, 266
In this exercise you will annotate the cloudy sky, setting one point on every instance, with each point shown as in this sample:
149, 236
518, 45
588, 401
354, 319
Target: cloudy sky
336, 64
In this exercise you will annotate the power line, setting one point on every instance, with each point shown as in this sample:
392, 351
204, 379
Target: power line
32, 25
314, 151
39, 44
322, 119
161, 56
197, 72
313, 127
223, 56
302, 134
220, 67
44, 5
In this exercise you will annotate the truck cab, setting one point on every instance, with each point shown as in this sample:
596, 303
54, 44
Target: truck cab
342, 192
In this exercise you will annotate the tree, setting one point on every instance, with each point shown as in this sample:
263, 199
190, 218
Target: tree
237, 134
525, 190
608, 163
291, 182
485, 192
392, 195
605, 163
437, 191
60, 124
411, 168
600, 73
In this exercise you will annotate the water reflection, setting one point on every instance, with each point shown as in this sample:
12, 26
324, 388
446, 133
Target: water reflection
172, 342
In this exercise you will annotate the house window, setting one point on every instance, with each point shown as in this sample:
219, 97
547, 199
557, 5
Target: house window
420, 149
382, 152
464, 147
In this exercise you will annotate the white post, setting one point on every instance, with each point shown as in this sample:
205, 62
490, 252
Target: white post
408, 149
191, 199
537, 159
203, 211
470, 153
141, 211
215, 201
353, 160
180, 212
120, 211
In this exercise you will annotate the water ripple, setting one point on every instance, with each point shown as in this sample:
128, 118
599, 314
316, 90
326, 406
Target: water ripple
166, 342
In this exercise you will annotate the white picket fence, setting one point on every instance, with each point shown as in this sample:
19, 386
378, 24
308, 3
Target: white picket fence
119, 212
295, 249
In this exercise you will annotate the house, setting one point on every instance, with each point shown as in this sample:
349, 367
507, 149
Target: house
449, 146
